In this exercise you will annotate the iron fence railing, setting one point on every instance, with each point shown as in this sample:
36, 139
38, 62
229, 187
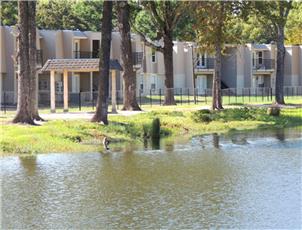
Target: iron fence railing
204, 63
86, 54
263, 64
151, 97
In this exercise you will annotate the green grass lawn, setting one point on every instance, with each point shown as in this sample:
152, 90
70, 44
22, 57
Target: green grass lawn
83, 136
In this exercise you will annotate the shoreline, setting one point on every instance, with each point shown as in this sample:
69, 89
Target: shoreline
75, 136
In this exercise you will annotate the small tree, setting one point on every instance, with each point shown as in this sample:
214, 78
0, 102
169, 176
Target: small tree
213, 22
101, 113
129, 75
276, 12
159, 19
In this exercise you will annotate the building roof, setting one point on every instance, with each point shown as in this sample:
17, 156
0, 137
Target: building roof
79, 34
78, 65
260, 47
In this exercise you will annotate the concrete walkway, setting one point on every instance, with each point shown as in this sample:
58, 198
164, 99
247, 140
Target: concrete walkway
82, 115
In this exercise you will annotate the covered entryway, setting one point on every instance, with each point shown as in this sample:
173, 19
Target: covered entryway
76, 65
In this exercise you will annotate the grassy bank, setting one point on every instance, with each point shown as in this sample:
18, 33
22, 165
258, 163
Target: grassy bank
84, 136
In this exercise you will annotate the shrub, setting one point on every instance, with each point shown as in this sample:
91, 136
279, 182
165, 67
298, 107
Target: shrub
155, 131
273, 111
203, 115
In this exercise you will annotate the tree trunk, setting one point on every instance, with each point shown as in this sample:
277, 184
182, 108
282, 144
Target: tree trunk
33, 60
280, 66
216, 91
168, 62
23, 114
129, 75
101, 114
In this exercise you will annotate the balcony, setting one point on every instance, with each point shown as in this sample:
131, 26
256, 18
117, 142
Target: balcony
137, 56
86, 54
263, 64
204, 65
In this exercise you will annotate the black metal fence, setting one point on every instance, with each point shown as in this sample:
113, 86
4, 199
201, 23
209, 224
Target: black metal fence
153, 97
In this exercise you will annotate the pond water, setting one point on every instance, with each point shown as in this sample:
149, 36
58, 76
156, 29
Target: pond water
239, 180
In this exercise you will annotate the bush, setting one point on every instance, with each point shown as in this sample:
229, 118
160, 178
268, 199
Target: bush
273, 111
236, 114
155, 131
203, 115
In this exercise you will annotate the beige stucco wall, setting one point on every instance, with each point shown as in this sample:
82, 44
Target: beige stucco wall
295, 67
2, 51
8, 80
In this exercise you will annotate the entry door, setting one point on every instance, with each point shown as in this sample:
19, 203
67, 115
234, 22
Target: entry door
75, 83
77, 49
95, 48
201, 82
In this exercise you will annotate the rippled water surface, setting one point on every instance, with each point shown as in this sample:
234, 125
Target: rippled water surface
242, 180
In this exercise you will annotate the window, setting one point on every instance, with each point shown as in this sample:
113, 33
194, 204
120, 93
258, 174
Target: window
43, 85
260, 56
142, 86
153, 86
153, 56
201, 60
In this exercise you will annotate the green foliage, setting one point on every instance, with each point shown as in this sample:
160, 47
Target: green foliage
293, 27
216, 23
8, 12
237, 114
156, 18
155, 131
69, 14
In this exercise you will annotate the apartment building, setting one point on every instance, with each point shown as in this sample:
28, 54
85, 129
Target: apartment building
243, 66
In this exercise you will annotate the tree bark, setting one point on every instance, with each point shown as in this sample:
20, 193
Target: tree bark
33, 60
216, 91
129, 76
168, 62
280, 66
23, 114
101, 114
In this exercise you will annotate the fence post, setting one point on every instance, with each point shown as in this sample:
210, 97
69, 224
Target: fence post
140, 97
262, 94
243, 95
159, 96
92, 101
117, 107
4, 102
249, 94
287, 91
229, 94
205, 95
151, 97
196, 95
181, 96
271, 89
267, 93
236, 95
80, 100
256, 92
188, 96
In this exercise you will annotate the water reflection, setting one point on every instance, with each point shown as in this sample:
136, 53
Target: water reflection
29, 163
236, 180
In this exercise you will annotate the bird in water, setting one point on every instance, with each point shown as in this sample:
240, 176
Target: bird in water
106, 143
